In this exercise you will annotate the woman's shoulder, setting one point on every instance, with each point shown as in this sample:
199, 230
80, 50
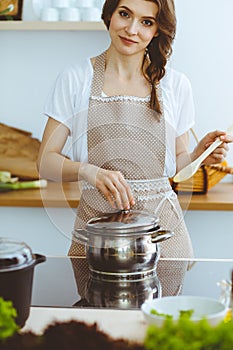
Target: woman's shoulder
78, 71
175, 80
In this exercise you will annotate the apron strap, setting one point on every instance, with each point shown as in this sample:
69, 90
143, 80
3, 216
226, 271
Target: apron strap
98, 77
168, 196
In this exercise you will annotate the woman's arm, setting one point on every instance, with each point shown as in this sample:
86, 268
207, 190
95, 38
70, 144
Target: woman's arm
183, 157
52, 165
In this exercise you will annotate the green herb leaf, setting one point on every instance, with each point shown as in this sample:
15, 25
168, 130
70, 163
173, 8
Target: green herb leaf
8, 314
183, 313
155, 312
186, 313
187, 334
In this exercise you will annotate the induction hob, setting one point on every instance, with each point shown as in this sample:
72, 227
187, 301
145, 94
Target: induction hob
67, 282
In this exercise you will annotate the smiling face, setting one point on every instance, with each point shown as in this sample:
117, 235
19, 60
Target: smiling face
133, 25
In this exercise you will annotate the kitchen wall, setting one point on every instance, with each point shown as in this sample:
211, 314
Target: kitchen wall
204, 51
30, 61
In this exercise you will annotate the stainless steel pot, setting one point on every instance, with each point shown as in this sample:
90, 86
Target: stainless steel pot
122, 294
123, 244
17, 264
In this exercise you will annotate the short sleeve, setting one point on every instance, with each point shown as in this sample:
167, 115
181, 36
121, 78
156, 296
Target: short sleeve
65, 98
185, 106
60, 103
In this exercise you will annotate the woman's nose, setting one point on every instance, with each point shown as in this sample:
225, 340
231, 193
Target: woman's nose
132, 28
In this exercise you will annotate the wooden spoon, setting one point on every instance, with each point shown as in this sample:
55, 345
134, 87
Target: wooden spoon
190, 169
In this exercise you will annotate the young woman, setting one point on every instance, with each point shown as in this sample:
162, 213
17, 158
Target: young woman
129, 116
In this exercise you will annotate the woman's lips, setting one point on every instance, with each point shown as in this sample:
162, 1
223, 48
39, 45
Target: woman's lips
127, 41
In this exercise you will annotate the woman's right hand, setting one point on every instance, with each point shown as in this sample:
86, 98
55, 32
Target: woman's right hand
111, 184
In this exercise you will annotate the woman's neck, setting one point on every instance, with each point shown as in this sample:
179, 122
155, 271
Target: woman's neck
123, 67
124, 76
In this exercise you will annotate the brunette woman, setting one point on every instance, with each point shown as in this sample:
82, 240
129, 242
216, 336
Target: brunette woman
129, 116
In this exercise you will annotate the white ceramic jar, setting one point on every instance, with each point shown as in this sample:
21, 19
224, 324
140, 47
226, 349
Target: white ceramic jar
50, 14
70, 14
84, 3
60, 3
90, 14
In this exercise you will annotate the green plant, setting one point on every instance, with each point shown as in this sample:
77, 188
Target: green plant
186, 334
8, 314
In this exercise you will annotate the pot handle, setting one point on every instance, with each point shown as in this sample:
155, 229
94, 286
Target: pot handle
82, 235
161, 235
39, 258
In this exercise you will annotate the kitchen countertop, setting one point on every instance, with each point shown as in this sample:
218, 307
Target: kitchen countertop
63, 195
56, 194
126, 324
115, 306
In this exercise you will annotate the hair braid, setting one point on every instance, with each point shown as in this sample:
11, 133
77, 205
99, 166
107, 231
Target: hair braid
160, 49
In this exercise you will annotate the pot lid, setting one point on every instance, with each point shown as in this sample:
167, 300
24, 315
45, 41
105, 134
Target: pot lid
131, 221
14, 255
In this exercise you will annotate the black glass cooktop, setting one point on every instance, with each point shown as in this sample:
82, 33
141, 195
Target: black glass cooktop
67, 282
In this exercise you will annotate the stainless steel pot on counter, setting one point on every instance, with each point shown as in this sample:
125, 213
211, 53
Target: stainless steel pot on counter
123, 244
17, 264
122, 294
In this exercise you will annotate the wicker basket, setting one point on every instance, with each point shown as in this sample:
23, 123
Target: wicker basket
204, 179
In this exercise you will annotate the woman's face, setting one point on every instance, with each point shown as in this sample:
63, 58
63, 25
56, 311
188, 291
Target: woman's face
133, 25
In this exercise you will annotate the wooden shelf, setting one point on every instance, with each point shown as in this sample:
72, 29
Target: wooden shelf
40, 25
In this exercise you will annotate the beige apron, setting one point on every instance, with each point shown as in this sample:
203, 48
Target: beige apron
124, 134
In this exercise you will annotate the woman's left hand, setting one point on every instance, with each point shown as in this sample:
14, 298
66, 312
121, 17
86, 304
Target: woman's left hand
218, 155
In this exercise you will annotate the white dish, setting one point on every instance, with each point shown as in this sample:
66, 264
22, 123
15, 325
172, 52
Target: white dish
60, 3
84, 3
70, 14
50, 14
91, 14
211, 309
38, 5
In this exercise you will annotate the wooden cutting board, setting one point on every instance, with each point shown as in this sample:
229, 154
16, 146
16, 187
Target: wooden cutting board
18, 152
23, 168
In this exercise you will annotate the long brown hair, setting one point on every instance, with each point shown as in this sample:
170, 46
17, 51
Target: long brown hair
160, 48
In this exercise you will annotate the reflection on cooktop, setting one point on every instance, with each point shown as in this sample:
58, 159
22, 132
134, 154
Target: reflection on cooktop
67, 282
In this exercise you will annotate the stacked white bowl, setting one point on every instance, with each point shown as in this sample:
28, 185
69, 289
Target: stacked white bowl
71, 10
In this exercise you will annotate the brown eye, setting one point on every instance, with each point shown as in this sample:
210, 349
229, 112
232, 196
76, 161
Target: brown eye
148, 22
123, 14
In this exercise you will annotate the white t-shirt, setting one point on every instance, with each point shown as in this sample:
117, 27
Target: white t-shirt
68, 103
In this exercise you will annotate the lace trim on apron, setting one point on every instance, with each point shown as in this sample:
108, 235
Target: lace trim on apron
160, 185
149, 190
120, 98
